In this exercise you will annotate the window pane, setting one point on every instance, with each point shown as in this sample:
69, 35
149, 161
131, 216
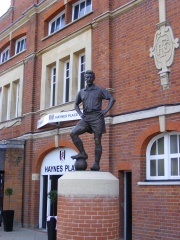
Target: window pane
67, 90
67, 74
83, 63
18, 47
53, 95
21, 46
82, 81
3, 58
53, 87
25, 43
83, 59
76, 11
161, 167
5, 55
153, 149
17, 99
67, 82
88, 6
58, 24
52, 27
67, 65
83, 67
174, 166
161, 145
54, 72
152, 167
63, 20
82, 9
173, 144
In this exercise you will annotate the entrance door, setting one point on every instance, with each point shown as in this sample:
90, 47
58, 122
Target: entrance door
128, 206
1, 194
55, 164
49, 182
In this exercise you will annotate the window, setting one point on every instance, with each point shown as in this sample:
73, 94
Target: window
0, 98
20, 45
5, 55
53, 86
81, 71
66, 81
6, 102
163, 157
16, 98
57, 23
81, 8
70, 61
11, 94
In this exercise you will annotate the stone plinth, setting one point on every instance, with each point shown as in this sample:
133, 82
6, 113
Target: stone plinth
88, 206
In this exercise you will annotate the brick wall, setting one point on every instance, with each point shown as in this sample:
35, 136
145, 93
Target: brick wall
14, 178
120, 59
82, 218
157, 212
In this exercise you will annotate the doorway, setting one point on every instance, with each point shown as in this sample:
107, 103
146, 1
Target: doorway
127, 205
1, 194
54, 165
49, 182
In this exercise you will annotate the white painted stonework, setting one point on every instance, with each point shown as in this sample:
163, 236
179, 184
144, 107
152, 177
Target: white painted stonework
88, 183
164, 47
163, 50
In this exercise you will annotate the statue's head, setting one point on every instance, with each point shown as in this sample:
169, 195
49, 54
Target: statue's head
89, 77
89, 72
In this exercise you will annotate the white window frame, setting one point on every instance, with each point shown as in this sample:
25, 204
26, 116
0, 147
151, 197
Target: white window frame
81, 14
17, 99
1, 103
54, 21
5, 55
80, 71
166, 156
53, 87
22, 42
66, 78
8, 106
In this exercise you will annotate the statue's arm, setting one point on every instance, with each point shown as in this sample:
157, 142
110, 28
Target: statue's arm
76, 105
110, 104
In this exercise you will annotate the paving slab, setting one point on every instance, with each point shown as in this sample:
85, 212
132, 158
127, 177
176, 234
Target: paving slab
23, 234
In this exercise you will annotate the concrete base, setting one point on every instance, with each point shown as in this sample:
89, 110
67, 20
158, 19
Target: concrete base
88, 206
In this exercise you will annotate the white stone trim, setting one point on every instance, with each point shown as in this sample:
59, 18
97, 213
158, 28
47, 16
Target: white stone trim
160, 112
35, 177
162, 11
168, 183
150, 113
162, 123
88, 183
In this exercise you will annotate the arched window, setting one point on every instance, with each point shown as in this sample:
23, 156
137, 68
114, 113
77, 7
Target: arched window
163, 157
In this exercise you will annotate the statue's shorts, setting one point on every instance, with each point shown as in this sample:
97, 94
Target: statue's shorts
93, 123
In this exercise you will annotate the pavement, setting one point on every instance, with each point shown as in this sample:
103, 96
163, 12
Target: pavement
23, 234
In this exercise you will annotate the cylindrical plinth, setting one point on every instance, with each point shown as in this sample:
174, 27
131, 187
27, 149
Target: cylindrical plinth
88, 206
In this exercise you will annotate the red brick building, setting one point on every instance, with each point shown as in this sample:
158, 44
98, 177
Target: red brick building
133, 48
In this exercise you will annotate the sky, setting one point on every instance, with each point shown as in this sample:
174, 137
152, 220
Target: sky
5, 4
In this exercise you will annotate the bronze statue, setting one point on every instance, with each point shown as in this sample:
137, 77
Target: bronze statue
92, 118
